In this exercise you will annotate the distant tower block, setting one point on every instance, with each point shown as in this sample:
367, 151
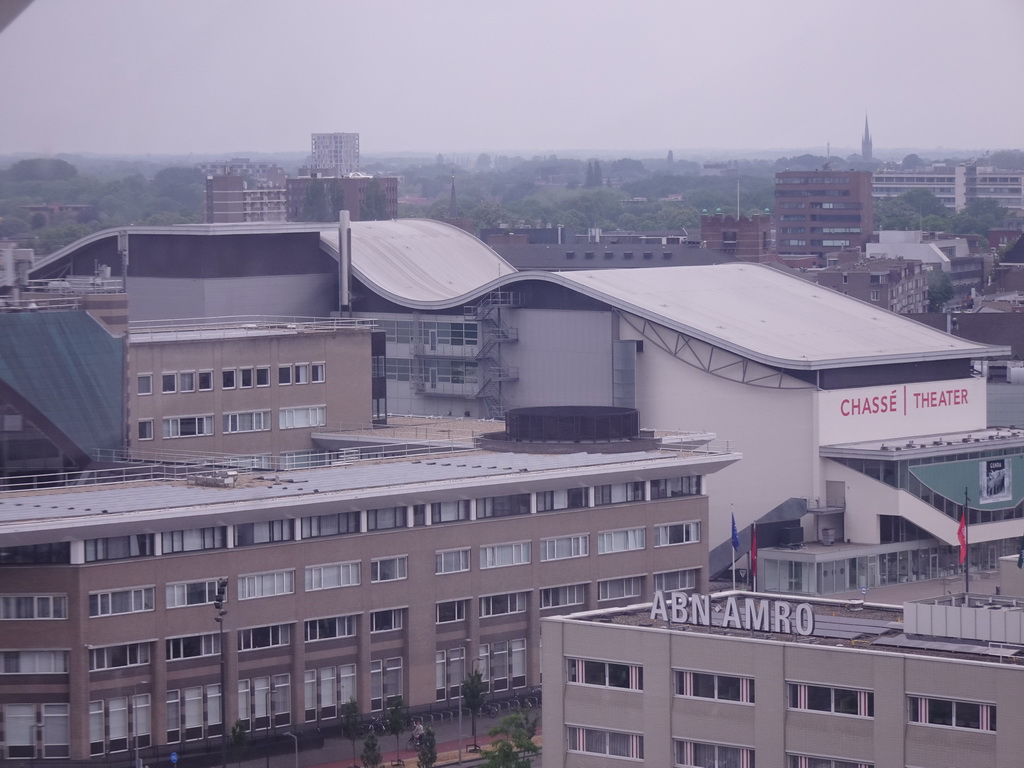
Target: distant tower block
336, 154
865, 142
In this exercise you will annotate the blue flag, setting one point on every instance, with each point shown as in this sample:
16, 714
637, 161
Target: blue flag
735, 535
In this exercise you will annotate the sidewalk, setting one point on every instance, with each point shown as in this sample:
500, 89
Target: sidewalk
338, 753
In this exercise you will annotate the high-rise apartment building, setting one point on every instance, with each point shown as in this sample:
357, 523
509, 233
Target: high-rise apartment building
818, 212
337, 152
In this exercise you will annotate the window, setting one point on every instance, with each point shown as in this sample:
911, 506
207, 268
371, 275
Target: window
168, 383
876, 295
146, 429
503, 506
245, 378
252, 421
132, 654
605, 674
669, 581
952, 714
193, 646
302, 373
284, 374
452, 610
500, 555
616, 589
205, 380
564, 547
266, 584
385, 682
173, 717
803, 761
194, 540
318, 373
332, 576
227, 378
330, 628
701, 755
263, 533
187, 426
33, 662
264, 637
385, 518
598, 742
119, 547
549, 501
388, 569
451, 561
676, 533
621, 540
676, 486
449, 511
330, 525
263, 376
187, 381
294, 418
187, 593
384, 621
618, 492
144, 384
499, 605
33, 607
839, 701
57, 728
707, 685
121, 601
557, 597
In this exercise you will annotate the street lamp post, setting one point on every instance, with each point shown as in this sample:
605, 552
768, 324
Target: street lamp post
296, 740
465, 643
218, 604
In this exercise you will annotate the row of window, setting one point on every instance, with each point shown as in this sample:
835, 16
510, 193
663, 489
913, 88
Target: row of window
816, 698
387, 518
231, 378
232, 423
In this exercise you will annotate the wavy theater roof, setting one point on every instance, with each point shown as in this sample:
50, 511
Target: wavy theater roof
751, 310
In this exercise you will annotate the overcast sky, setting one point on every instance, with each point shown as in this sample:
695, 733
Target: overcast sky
231, 76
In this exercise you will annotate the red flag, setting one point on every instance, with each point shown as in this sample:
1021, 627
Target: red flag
753, 554
961, 534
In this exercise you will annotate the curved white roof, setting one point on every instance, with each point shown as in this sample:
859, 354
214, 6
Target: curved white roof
777, 319
416, 262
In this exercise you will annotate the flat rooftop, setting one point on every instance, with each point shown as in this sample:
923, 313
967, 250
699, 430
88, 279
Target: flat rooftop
944, 444
851, 623
371, 482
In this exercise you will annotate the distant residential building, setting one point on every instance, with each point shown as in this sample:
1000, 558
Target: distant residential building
354, 191
950, 254
954, 185
263, 173
817, 212
336, 152
55, 212
230, 199
717, 169
898, 285
748, 237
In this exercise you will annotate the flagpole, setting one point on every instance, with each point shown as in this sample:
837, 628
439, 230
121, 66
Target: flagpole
733, 539
753, 556
967, 548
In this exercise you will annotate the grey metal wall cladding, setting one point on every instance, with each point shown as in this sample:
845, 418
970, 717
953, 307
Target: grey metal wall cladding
68, 367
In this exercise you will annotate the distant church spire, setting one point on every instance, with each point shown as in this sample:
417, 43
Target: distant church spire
865, 143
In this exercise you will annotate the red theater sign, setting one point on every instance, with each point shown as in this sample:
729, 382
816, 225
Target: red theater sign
900, 401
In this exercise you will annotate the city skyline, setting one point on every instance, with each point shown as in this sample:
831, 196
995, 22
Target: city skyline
116, 77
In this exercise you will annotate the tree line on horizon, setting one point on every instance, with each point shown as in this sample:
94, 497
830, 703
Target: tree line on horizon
659, 194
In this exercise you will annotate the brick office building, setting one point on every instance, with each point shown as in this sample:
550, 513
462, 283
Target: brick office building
821, 211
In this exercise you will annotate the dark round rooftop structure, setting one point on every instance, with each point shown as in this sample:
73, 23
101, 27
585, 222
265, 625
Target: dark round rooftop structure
572, 424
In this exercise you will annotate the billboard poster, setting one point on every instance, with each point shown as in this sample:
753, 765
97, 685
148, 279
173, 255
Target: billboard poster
995, 481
